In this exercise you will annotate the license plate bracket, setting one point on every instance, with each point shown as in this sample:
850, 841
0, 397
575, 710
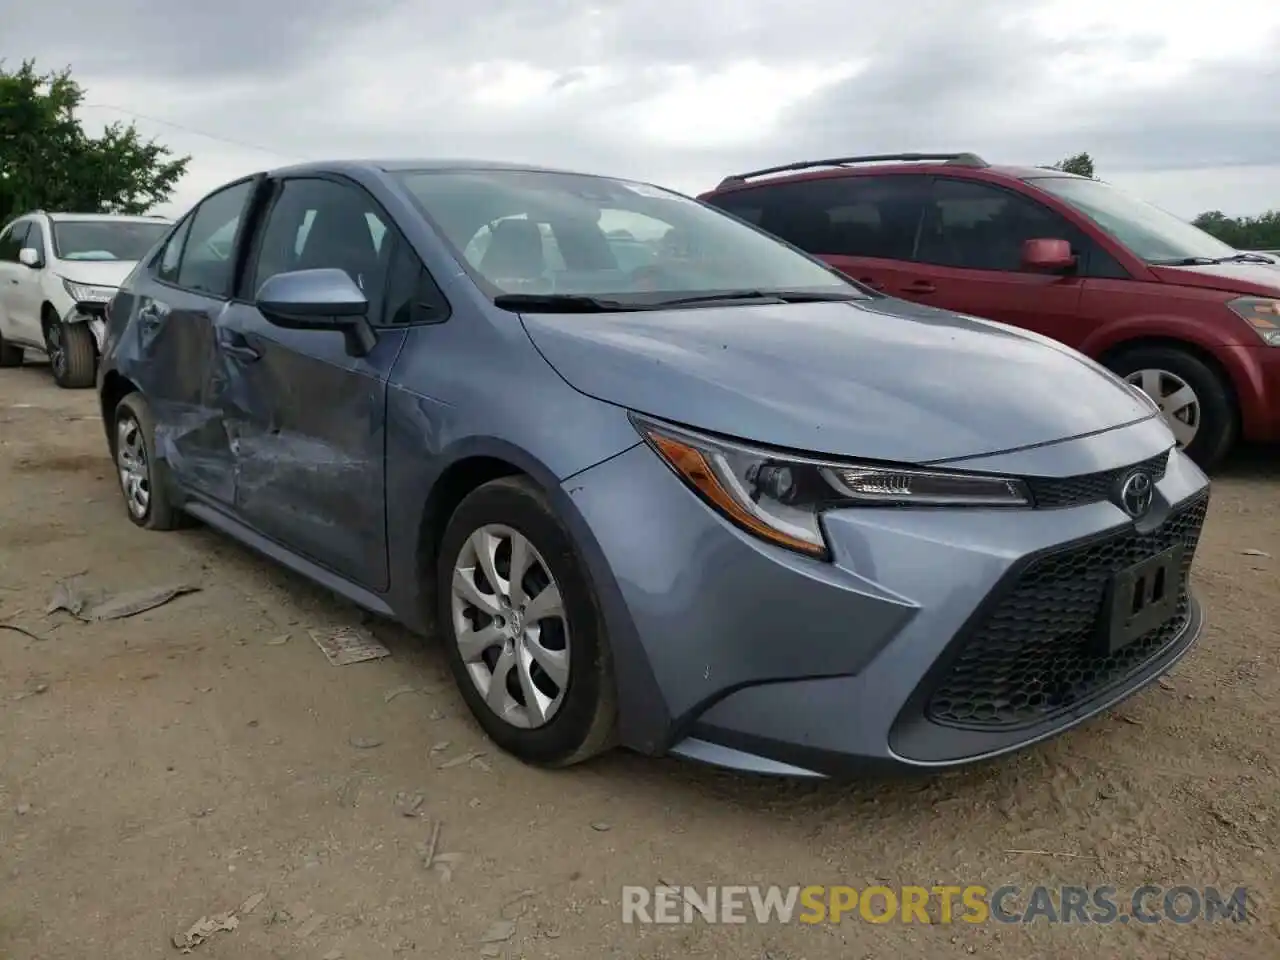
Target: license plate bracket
1139, 599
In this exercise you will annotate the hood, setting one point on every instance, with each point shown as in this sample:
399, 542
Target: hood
879, 379
102, 273
1246, 279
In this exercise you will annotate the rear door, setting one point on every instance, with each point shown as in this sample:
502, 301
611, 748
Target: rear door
169, 351
307, 419
968, 258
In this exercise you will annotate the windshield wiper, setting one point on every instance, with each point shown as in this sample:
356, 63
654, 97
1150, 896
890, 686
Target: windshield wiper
763, 296
562, 303
582, 303
1185, 262
1246, 258
1211, 261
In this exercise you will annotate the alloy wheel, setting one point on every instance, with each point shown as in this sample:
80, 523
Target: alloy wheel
135, 470
1178, 403
510, 625
55, 349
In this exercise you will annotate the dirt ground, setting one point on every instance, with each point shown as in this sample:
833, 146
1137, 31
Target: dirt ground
170, 766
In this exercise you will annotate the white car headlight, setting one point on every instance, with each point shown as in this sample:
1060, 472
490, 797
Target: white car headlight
88, 292
779, 497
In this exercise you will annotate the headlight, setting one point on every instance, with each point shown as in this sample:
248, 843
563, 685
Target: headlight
780, 497
88, 292
1262, 314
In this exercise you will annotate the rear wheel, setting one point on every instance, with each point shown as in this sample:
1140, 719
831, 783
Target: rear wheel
73, 357
10, 355
1195, 400
142, 476
523, 632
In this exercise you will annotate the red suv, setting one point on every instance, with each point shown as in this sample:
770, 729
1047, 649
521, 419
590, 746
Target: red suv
1176, 312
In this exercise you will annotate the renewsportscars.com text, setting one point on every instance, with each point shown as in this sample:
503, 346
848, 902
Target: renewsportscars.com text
972, 904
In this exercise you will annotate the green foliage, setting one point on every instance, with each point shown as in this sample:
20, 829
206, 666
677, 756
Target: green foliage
1081, 164
1244, 233
48, 162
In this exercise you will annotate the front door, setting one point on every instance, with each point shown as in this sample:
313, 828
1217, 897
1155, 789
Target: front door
26, 298
969, 259
306, 419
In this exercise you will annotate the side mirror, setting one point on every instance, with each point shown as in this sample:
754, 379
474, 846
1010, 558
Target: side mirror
30, 257
321, 299
1051, 256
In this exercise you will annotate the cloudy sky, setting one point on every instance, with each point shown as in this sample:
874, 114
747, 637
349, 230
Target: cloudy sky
1177, 101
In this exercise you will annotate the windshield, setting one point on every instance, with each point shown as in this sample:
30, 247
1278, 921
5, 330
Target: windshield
570, 235
105, 239
1151, 233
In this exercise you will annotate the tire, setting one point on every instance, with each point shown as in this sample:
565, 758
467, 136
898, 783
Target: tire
581, 720
73, 355
132, 419
1217, 425
10, 355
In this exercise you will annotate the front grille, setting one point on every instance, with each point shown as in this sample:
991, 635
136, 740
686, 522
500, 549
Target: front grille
1032, 656
1052, 492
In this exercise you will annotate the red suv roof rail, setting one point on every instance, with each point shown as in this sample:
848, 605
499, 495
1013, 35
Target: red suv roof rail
958, 159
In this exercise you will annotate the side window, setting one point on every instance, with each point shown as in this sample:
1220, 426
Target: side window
412, 296
208, 262
745, 206
316, 223
171, 253
877, 217
13, 240
981, 227
35, 238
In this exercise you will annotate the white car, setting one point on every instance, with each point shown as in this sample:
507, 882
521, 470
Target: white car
58, 272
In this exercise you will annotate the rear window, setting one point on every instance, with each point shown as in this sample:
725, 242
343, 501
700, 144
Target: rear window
837, 216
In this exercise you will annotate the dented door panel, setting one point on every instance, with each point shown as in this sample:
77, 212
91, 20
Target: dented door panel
305, 424
168, 352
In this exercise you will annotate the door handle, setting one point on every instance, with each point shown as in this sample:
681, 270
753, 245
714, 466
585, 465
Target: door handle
236, 344
920, 286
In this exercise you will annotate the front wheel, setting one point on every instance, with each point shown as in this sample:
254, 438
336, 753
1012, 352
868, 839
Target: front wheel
73, 355
524, 636
1196, 402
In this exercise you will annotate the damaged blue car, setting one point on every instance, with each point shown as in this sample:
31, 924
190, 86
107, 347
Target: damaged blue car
652, 476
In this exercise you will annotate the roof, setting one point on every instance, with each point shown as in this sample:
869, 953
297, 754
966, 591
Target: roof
146, 218
405, 164
964, 165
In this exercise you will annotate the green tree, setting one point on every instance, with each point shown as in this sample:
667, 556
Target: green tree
1244, 233
47, 161
1080, 164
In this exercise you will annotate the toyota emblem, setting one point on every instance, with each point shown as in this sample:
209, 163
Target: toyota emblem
1136, 493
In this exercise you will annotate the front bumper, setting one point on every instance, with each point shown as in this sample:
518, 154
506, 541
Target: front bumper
734, 652
1257, 374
